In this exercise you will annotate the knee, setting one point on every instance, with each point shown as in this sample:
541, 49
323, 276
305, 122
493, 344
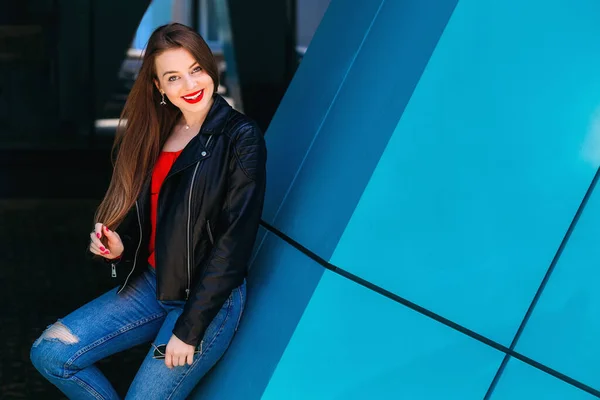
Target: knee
36, 355
50, 352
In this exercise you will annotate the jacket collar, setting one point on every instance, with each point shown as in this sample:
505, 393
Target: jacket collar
198, 148
217, 117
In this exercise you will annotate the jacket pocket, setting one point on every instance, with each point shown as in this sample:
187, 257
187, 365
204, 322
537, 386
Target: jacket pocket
210, 234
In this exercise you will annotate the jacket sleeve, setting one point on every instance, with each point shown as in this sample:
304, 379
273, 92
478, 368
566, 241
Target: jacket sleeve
226, 267
129, 247
125, 232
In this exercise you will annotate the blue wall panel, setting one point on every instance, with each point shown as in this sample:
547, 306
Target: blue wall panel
523, 382
279, 287
564, 329
487, 166
353, 343
439, 150
361, 120
312, 91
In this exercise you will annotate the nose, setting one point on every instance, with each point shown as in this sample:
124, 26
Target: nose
190, 83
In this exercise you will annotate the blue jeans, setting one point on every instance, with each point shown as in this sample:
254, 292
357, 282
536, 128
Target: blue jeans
66, 352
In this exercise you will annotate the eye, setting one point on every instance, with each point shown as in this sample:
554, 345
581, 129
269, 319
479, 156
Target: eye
197, 69
173, 78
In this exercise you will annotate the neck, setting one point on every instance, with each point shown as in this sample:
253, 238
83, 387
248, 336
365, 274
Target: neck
195, 119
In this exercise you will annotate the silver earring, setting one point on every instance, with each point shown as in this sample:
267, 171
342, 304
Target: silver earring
162, 103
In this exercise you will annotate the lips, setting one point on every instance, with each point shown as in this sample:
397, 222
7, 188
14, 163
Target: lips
194, 98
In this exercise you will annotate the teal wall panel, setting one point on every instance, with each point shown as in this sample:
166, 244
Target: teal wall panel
523, 382
309, 96
488, 165
362, 117
353, 343
564, 329
279, 287
439, 150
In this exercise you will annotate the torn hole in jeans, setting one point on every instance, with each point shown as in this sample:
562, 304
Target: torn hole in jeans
58, 332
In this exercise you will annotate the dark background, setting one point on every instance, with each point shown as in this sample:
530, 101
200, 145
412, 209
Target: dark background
61, 71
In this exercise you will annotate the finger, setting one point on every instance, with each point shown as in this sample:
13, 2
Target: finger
94, 239
98, 244
114, 243
178, 361
169, 360
96, 251
98, 230
184, 360
190, 358
112, 236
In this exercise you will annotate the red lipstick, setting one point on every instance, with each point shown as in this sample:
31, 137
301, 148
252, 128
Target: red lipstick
189, 98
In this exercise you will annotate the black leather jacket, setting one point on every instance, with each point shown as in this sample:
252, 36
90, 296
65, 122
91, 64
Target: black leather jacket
208, 214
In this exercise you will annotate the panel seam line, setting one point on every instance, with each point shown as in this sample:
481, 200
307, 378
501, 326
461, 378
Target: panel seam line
509, 351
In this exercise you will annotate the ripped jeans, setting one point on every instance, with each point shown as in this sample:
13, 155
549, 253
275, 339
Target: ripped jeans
66, 352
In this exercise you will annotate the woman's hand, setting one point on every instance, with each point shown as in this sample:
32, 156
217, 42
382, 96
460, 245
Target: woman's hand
114, 247
178, 352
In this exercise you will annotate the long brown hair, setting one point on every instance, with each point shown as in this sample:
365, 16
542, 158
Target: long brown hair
145, 124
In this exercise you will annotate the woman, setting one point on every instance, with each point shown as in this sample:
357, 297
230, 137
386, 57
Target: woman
177, 225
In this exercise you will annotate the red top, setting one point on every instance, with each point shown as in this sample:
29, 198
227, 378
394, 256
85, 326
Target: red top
165, 161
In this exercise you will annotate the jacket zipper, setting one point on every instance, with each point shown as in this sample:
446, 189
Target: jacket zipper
189, 258
210, 235
187, 290
137, 209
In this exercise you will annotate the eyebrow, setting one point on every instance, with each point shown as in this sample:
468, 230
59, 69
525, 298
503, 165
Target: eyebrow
174, 72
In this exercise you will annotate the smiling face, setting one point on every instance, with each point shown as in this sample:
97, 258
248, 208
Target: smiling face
184, 82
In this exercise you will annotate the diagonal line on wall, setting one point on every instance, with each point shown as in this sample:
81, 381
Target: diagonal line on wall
509, 351
542, 286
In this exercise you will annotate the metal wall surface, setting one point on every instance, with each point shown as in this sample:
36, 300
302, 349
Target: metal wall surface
442, 155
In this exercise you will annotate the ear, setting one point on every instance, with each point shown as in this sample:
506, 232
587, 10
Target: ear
157, 85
